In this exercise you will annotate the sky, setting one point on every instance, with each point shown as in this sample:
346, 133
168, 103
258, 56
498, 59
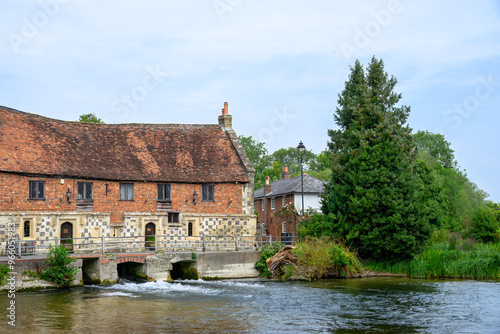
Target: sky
279, 64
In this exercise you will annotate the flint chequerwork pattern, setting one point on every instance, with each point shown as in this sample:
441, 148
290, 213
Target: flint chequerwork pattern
105, 180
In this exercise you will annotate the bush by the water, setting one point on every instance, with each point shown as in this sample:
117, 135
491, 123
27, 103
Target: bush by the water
58, 270
322, 257
267, 252
316, 258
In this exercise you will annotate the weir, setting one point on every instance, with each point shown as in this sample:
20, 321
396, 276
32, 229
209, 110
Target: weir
109, 268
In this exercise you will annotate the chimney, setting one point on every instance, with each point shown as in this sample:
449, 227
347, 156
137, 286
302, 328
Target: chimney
267, 187
285, 174
225, 119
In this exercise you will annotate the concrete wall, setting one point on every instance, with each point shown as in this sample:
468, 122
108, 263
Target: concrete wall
227, 265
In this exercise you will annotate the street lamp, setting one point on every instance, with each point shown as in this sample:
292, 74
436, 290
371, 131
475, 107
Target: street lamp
301, 148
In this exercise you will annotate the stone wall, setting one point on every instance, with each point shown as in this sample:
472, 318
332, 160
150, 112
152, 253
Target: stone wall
89, 227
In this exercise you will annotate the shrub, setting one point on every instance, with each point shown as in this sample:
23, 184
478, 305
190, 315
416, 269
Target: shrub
321, 257
267, 252
483, 226
319, 226
58, 270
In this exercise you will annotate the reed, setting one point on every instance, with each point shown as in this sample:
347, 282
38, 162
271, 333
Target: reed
448, 259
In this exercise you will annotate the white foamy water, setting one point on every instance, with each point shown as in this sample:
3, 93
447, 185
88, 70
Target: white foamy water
117, 294
222, 284
161, 288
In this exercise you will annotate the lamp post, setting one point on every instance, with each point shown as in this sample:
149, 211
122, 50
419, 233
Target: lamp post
301, 149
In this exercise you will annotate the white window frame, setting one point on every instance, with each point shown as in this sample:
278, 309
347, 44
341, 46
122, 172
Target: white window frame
263, 204
273, 203
283, 227
283, 204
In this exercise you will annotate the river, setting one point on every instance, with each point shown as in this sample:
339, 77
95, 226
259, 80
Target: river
369, 305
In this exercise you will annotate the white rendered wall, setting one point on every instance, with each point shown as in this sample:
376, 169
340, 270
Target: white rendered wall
310, 201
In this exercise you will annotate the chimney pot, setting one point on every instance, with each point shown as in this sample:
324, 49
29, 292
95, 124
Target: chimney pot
225, 119
267, 179
285, 174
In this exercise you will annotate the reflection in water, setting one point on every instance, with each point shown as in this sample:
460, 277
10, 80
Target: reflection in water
389, 305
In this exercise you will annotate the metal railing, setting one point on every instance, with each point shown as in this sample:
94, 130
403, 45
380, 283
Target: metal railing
153, 243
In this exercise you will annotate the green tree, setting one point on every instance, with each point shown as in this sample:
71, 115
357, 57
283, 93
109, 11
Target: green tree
290, 157
435, 146
374, 189
58, 269
90, 118
258, 155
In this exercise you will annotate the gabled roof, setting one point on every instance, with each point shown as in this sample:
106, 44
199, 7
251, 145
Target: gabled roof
32, 144
312, 185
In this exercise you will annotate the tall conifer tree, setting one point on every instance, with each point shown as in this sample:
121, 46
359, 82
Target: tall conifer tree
374, 189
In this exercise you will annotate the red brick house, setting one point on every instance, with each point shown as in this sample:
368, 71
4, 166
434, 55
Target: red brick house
73, 179
286, 193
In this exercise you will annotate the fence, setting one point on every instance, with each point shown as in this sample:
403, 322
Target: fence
150, 243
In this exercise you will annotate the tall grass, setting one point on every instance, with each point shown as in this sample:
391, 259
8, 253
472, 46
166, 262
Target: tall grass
440, 260
448, 256
322, 257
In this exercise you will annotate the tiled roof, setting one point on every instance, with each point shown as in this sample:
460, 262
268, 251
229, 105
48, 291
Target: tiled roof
32, 144
312, 185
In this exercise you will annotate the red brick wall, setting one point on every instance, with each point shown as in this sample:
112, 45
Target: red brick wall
274, 224
14, 196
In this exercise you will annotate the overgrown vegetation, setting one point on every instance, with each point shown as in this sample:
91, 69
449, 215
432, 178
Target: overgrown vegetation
267, 252
58, 269
323, 257
316, 258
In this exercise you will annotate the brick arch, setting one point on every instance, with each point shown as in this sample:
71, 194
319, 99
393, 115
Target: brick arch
136, 259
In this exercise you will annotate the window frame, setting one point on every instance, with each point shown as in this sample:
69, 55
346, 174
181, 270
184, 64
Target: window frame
283, 203
205, 197
263, 204
127, 185
28, 225
273, 203
37, 184
85, 185
173, 217
163, 188
283, 227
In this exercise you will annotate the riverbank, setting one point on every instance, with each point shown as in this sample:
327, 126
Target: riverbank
448, 260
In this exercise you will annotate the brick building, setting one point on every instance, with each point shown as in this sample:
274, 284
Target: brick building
77, 180
273, 200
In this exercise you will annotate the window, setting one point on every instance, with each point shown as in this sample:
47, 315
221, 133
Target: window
85, 190
190, 229
126, 191
273, 203
163, 192
37, 190
284, 201
173, 217
27, 225
283, 227
263, 205
208, 191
